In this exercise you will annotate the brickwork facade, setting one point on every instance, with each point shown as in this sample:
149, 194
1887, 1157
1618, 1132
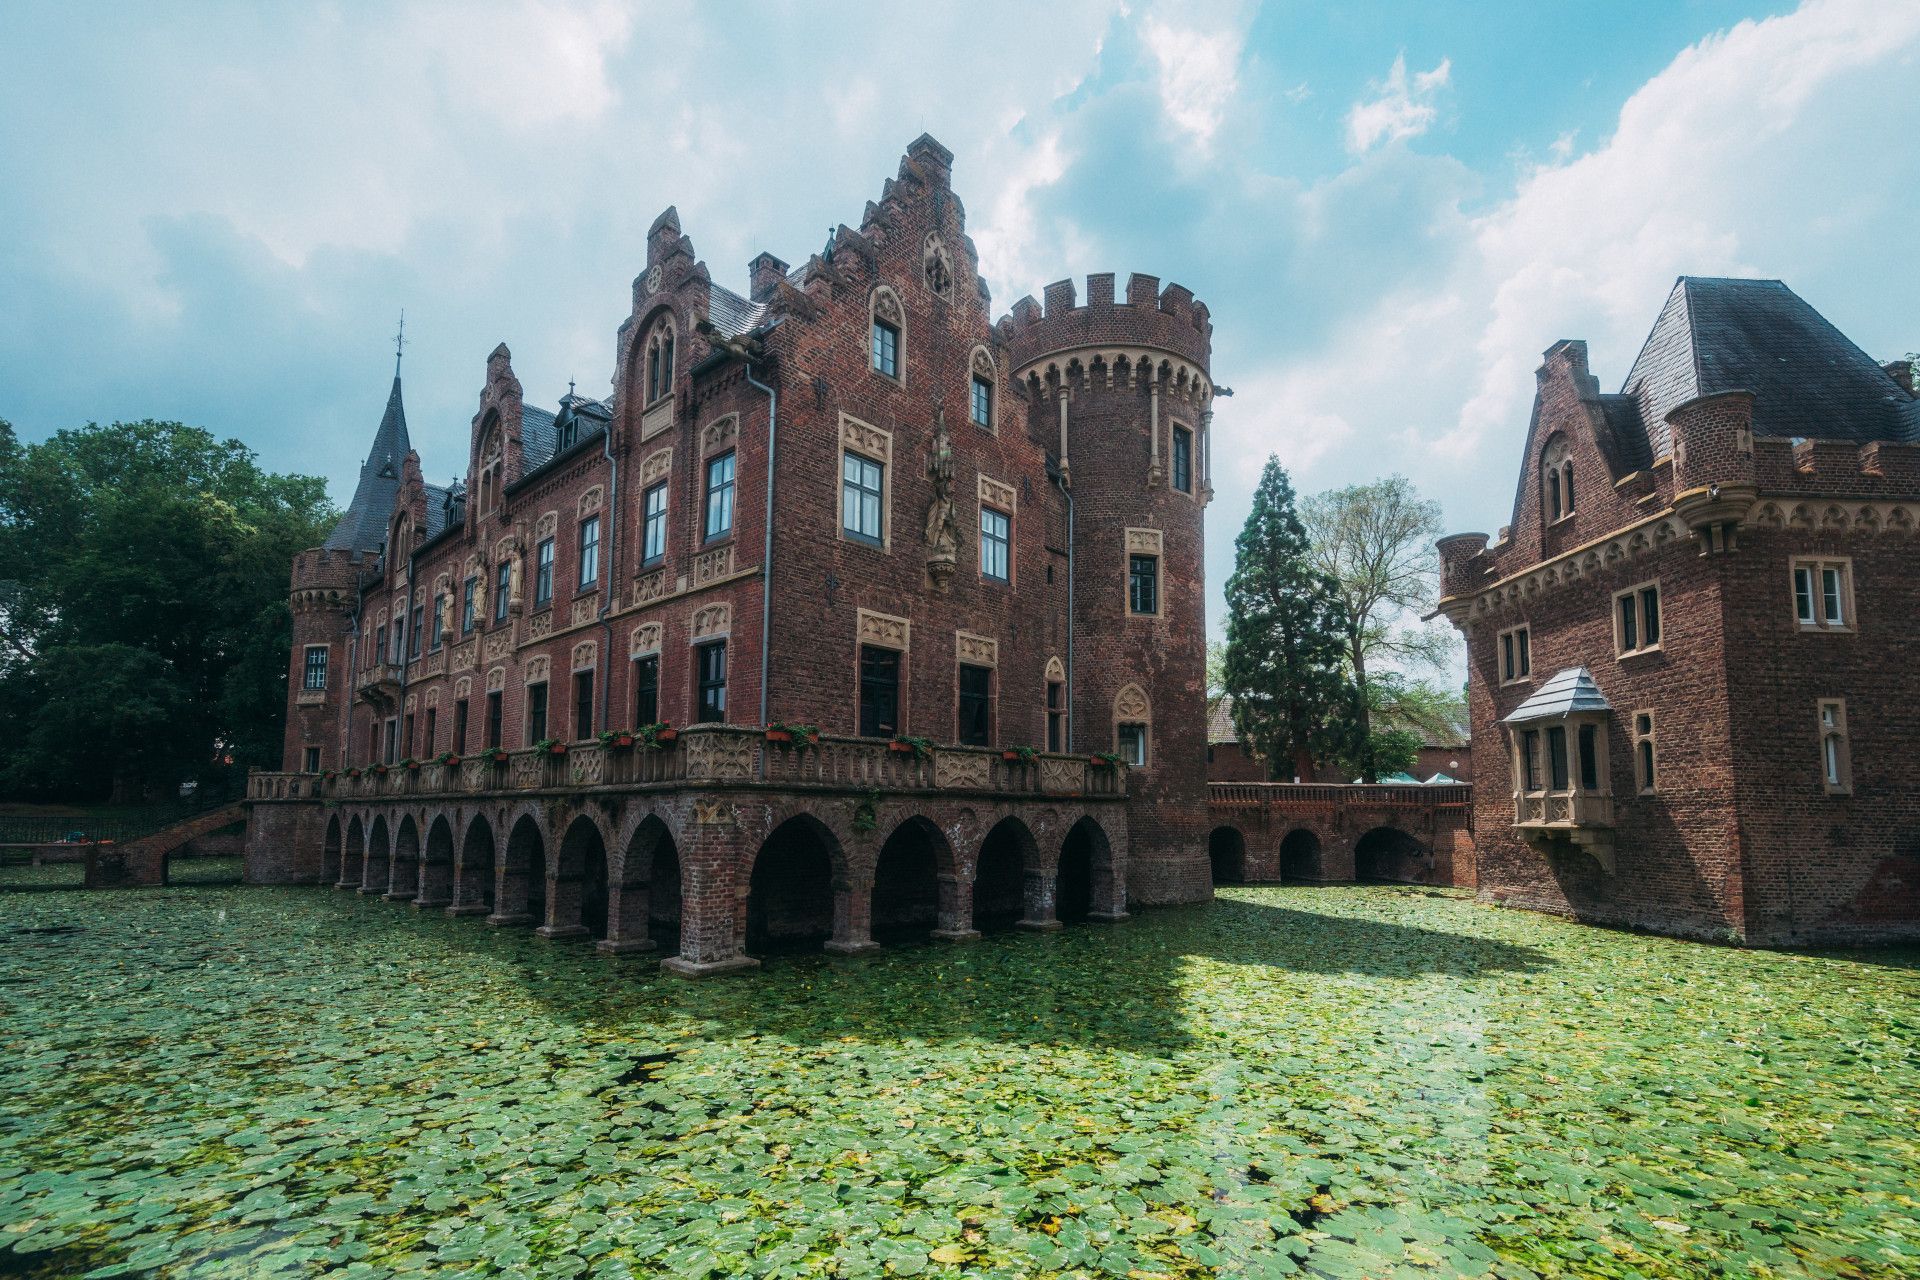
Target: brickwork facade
1707, 807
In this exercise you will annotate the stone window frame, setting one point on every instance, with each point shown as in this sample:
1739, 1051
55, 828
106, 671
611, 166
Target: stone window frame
981, 367
308, 669
1816, 567
1054, 676
875, 444
585, 585
885, 307
1521, 650
489, 479
656, 473
1556, 479
717, 439
973, 650
545, 562
1637, 593
585, 660
1175, 428
995, 495
658, 352
1131, 705
1143, 542
875, 630
1836, 746
1645, 732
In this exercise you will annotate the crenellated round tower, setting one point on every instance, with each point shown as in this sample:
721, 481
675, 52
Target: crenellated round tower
324, 589
1122, 392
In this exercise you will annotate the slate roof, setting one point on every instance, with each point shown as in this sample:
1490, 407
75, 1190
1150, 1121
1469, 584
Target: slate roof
364, 526
1716, 334
1567, 691
732, 314
1220, 724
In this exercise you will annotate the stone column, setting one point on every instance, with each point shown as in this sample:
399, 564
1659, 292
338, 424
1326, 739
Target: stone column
510, 896
852, 916
627, 906
563, 908
436, 886
403, 878
1040, 910
715, 861
956, 909
469, 894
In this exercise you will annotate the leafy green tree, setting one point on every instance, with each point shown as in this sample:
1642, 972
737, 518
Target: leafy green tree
1376, 542
144, 617
1406, 714
1286, 636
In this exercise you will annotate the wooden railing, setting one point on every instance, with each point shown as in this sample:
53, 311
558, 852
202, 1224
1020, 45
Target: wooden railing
1299, 795
718, 755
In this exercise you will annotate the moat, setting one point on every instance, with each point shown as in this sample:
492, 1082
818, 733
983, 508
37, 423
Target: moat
225, 1081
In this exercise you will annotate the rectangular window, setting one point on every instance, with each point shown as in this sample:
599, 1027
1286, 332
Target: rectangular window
379, 645
433, 732
315, 676
861, 481
718, 520
710, 667
1056, 716
646, 690
1644, 763
1516, 655
886, 348
536, 712
653, 536
311, 762
502, 581
982, 402
996, 544
1589, 738
418, 625
582, 705
1836, 751
434, 638
1530, 759
406, 736
976, 705
1557, 757
543, 574
466, 608
1823, 594
1636, 619
589, 551
1143, 584
496, 718
879, 692
393, 742
1183, 459
1132, 743
459, 744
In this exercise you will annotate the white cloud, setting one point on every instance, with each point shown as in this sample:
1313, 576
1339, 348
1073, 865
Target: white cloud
1198, 72
1404, 107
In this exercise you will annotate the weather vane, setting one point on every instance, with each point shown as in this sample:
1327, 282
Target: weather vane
400, 342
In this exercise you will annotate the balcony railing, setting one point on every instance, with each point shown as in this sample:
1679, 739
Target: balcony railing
721, 755
1294, 795
1561, 810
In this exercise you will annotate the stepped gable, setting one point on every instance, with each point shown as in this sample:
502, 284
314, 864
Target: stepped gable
1170, 320
1808, 379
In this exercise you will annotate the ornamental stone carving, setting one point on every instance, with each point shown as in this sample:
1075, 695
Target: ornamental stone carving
592, 500
714, 813
463, 687
586, 766
1056, 669
978, 651
499, 645
535, 672
937, 266
496, 679
711, 566
962, 769
1131, 704
657, 418
584, 655
544, 527
942, 532
864, 437
645, 640
656, 466
653, 586
720, 433
995, 494
883, 629
526, 772
583, 610
718, 756
467, 656
886, 305
541, 624
1144, 541
711, 620
1061, 777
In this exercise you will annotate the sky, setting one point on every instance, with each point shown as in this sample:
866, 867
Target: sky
216, 212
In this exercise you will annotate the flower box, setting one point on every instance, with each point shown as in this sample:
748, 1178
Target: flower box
779, 735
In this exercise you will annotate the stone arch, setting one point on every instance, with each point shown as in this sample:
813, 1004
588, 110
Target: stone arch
436, 865
1009, 857
353, 854
1388, 853
1084, 883
577, 903
798, 891
330, 852
1556, 478
646, 908
1131, 706
1300, 856
521, 894
914, 881
1227, 855
473, 879
379, 856
403, 882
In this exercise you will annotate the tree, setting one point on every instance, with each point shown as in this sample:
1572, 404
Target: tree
1405, 715
1286, 636
144, 617
1376, 542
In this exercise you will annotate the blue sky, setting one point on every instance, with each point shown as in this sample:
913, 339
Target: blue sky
215, 212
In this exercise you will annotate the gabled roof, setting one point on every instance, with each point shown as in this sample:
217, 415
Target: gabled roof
364, 526
1568, 691
1220, 723
733, 315
1808, 379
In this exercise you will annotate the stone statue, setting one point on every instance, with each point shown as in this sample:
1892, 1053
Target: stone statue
943, 536
514, 562
445, 620
480, 599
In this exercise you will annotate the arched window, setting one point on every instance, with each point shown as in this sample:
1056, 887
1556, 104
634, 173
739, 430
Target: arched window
487, 484
887, 334
660, 361
1556, 479
1133, 725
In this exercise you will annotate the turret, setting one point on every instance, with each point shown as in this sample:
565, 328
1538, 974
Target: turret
1122, 392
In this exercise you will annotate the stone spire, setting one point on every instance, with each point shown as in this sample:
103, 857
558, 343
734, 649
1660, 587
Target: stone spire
364, 526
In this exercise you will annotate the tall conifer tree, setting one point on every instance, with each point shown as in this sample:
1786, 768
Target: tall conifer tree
1286, 637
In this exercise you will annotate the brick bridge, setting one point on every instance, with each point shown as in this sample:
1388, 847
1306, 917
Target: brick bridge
718, 844
1283, 831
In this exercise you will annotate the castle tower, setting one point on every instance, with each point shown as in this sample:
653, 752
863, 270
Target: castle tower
1122, 392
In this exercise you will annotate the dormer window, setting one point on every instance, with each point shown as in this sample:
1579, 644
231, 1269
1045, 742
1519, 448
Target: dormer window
1556, 479
660, 362
1562, 783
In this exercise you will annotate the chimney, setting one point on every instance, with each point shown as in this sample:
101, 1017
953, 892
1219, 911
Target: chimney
764, 274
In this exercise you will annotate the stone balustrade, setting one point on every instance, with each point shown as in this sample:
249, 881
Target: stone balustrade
1289, 795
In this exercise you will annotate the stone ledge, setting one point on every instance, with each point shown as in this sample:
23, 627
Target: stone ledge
684, 968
